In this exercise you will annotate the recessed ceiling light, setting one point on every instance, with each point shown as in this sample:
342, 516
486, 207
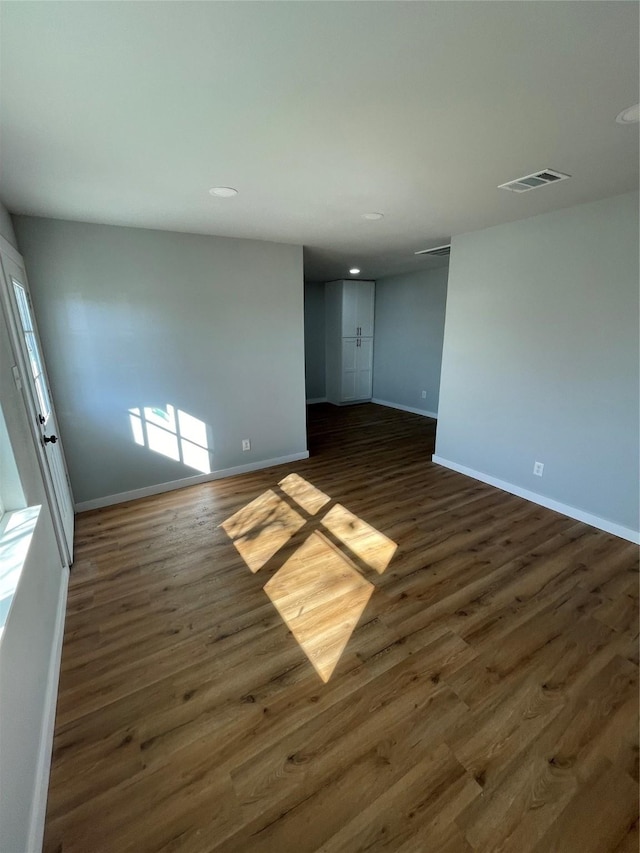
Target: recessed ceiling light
354, 271
629, 116
373, 216
223, 192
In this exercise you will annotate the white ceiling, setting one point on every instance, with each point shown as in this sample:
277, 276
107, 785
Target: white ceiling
317, 112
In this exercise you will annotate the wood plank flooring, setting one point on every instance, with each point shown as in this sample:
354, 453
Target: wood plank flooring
361, 651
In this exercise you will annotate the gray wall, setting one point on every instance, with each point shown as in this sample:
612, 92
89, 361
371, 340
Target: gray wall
26, 643
314, 343
541, 356
130, 318
409, 330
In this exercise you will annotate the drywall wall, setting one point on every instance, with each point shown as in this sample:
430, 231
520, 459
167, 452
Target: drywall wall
314, 343
540, 357
29, 645
409, 330
131, 318
6, 227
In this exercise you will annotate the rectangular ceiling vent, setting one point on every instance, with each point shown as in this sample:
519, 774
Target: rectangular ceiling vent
532, 182
437, 251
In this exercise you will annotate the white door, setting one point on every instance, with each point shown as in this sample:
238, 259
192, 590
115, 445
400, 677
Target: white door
350, 309
365, 309
349, 369
31, 377
364, 369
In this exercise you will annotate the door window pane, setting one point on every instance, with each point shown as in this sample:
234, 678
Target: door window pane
33, 351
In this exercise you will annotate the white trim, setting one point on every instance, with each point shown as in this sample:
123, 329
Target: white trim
317, 400
572, 512
7, 249
405, 408
41, 787
147, 491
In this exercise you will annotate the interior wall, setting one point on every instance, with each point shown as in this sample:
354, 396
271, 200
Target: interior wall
409, 330
132, 318
26, 663
541, 356
314, 342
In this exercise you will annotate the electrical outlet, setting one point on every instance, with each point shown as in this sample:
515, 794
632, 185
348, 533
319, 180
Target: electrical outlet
538, 468
424, 395
246, 444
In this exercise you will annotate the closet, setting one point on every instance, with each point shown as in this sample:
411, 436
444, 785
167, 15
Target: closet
349, 319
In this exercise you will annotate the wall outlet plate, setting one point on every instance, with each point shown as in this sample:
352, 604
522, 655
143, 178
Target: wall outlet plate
246, 444
538, 468
423, 395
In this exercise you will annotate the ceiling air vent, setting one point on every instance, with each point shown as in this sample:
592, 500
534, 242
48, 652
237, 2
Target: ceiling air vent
532, 182
437, 251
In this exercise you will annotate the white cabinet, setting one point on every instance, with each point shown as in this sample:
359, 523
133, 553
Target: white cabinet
349, 340
357, 369
357, 308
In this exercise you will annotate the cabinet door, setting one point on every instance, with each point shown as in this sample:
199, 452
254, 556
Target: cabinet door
357, 308
350, 320
365, 308
350, 352
364, 369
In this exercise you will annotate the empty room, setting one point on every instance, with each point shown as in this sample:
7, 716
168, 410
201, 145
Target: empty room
319, 426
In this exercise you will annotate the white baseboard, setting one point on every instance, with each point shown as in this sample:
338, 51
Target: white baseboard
411, 409
43, 767
316, 400
147, 491
572, 512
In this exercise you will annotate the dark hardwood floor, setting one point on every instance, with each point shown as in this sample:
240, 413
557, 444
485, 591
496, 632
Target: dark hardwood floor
361, 651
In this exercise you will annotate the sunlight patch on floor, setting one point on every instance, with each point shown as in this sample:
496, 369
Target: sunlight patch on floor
303, 493
319, 591
261, 528
321, 598
372, 547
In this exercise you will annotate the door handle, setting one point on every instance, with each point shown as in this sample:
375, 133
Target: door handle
50, 439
